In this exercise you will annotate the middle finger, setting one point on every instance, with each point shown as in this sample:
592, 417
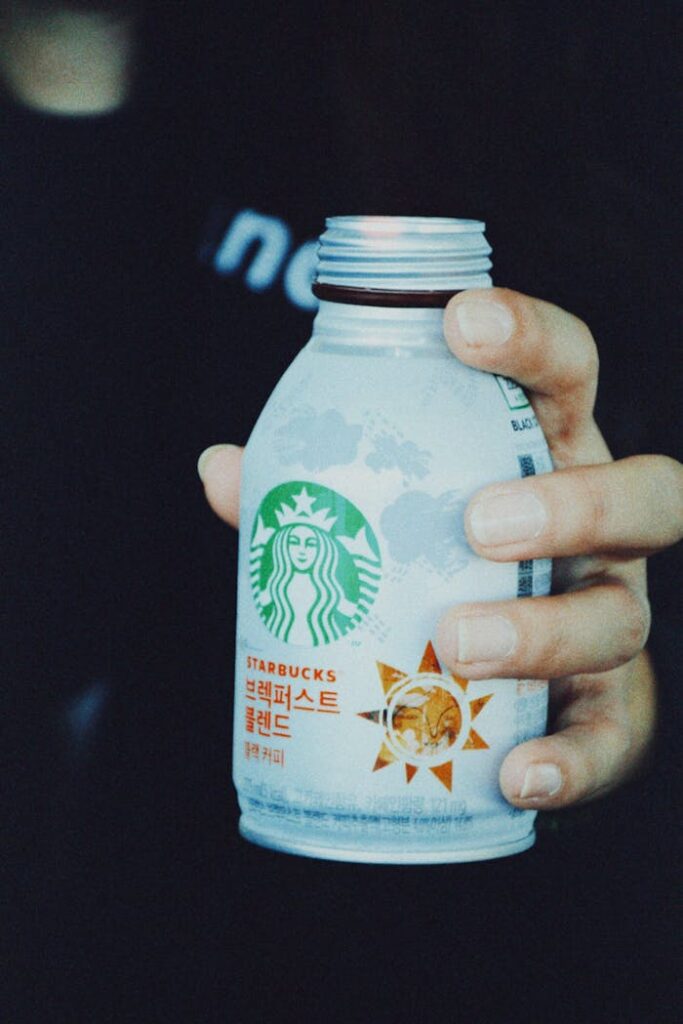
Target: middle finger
632, 507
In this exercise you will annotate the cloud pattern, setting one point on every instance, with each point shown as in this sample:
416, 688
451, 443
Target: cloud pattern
419, 527
318, 440
390, 453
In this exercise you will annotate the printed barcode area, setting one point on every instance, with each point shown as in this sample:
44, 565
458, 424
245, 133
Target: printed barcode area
526, 465
525, 572
525, 579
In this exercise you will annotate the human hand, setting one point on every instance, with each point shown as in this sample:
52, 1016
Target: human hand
597, 518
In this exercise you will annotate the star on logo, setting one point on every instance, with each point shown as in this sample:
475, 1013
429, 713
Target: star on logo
302, 514
303, 502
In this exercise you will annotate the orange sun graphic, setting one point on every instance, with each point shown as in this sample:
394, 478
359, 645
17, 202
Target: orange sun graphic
425, 719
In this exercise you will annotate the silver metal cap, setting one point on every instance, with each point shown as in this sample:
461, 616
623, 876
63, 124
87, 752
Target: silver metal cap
404, 253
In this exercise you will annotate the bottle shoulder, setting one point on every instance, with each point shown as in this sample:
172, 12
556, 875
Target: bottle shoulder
348, 368
332, 410
424, 386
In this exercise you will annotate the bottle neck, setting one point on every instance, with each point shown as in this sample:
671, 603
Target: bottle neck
383, 282
381, 297
379, 330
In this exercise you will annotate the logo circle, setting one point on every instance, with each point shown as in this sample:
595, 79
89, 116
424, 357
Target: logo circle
425, 718
314, 564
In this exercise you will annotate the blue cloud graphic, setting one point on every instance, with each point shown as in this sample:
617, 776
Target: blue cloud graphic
390, 453
318, 440
419, 526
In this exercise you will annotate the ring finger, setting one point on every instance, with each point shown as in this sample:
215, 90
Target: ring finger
590, 630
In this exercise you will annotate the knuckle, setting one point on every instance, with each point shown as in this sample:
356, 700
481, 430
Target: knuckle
580, 356
606, 740
669, 476
636, 618
615, 735
594, 508
586, 365
545, 652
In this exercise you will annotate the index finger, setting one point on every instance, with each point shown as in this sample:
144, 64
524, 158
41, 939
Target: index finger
549, 351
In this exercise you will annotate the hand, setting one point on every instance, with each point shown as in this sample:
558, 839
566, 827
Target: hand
597, 518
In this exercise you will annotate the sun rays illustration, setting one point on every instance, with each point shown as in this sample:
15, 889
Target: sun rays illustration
426, 718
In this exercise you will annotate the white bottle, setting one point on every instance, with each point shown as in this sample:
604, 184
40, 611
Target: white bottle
352, 742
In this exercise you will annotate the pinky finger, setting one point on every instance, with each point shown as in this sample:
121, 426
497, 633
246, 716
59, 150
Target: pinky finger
603, 734
574, 765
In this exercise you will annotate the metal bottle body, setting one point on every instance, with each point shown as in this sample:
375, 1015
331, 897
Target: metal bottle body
352, 741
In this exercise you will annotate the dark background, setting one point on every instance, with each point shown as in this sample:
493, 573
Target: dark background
128, 895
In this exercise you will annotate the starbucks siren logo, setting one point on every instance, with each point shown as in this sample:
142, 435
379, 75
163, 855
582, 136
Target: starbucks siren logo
314, 564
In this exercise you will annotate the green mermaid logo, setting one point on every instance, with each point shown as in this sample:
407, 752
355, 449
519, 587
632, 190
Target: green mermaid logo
315, 565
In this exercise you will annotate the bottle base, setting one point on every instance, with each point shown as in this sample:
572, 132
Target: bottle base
284, 843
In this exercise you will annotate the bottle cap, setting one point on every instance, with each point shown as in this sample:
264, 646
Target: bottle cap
404, 254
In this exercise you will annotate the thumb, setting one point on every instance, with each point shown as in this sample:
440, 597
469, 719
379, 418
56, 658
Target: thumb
219, 470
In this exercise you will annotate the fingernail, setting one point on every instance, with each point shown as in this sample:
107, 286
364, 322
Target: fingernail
506, 518
483, 638
541, 780
484, 323
206, 455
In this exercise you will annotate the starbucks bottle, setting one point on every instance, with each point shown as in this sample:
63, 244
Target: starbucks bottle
352, 740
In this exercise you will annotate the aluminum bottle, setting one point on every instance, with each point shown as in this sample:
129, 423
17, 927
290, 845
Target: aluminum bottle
352, 740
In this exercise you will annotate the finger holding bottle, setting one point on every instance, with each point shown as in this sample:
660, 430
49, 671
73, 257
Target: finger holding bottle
627, 509
219, 468
592, 629
548, 351
602, 728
